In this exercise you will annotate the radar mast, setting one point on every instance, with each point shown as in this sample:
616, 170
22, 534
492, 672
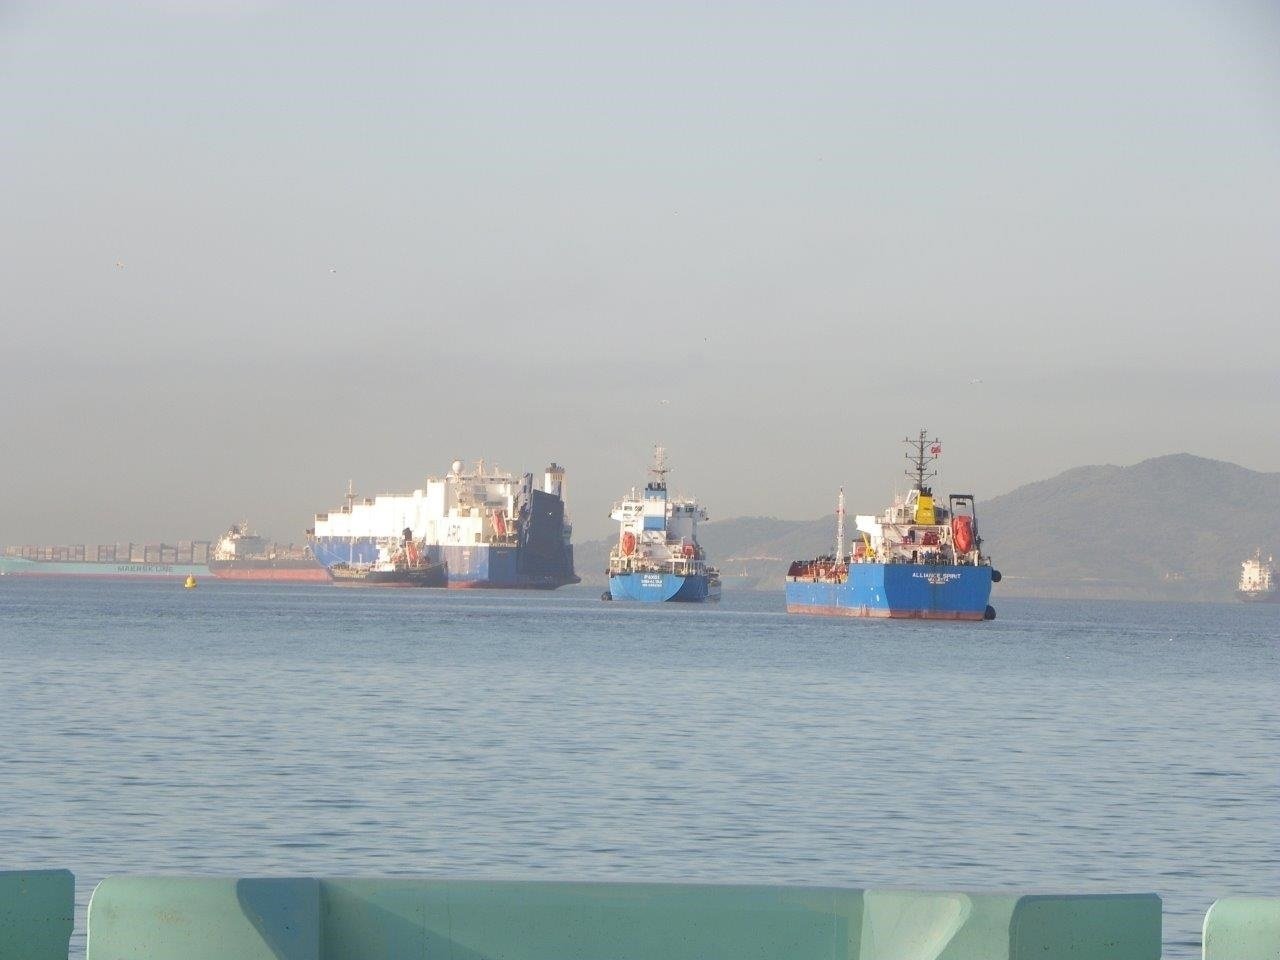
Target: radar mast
922, 452
659, 469
840, 526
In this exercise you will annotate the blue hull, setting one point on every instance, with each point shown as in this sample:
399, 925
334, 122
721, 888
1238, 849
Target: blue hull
905, 590
478, 566
501, 566
660, 587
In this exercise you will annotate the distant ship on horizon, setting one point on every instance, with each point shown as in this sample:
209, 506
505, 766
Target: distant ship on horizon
241, 554
238, 555
109, 561
1257, 580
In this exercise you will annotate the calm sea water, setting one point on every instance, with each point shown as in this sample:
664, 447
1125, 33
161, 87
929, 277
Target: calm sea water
243, 730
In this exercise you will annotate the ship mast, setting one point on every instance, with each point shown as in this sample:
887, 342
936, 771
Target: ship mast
659, 469
351, 536
840, 526
922, 452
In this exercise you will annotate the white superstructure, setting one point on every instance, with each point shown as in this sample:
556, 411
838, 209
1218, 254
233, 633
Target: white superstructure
915, 529
1257, 580
657, 531
238, 543
462, 508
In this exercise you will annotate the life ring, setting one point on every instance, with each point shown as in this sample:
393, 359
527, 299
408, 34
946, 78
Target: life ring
628, 543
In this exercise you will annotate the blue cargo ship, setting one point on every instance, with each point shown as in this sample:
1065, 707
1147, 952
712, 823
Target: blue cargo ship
657, 557
488, 527
917, 560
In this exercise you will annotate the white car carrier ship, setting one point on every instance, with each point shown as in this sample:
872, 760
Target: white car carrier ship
491, 528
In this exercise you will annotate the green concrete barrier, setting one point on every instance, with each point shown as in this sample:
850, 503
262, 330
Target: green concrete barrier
571, 921
137, 918
173, 919
959, 926
1243, 928
37, 913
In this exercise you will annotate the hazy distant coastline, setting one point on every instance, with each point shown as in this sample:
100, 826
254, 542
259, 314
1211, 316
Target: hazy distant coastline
1170, 528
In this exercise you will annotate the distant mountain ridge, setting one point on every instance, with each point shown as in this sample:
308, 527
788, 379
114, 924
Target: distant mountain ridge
1175, 526
1172, 527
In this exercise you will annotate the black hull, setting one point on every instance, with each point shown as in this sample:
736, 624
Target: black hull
435, 575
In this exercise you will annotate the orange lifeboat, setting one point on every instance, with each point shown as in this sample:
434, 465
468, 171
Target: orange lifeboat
688, 550
962, 533
628, 543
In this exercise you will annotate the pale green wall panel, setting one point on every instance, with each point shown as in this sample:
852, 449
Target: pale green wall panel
909, 925
1243, 928
173, 918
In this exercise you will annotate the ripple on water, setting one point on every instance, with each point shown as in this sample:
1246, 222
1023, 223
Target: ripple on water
243, 730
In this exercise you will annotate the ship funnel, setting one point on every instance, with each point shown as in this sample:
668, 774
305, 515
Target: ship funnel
553, 480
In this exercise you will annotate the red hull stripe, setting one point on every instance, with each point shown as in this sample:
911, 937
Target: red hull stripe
366, 585
479, 585
317, 575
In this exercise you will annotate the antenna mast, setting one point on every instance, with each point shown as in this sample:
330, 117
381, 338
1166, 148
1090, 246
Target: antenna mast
922, 453
659, 468
840, 526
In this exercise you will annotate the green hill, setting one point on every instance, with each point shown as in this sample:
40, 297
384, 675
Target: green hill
1171, 527
1174, 527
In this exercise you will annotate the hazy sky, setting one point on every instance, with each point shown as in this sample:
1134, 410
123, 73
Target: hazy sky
251, 250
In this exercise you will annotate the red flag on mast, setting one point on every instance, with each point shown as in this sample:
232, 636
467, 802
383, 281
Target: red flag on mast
936, 449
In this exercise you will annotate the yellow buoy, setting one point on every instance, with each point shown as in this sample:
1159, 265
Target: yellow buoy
190, 582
